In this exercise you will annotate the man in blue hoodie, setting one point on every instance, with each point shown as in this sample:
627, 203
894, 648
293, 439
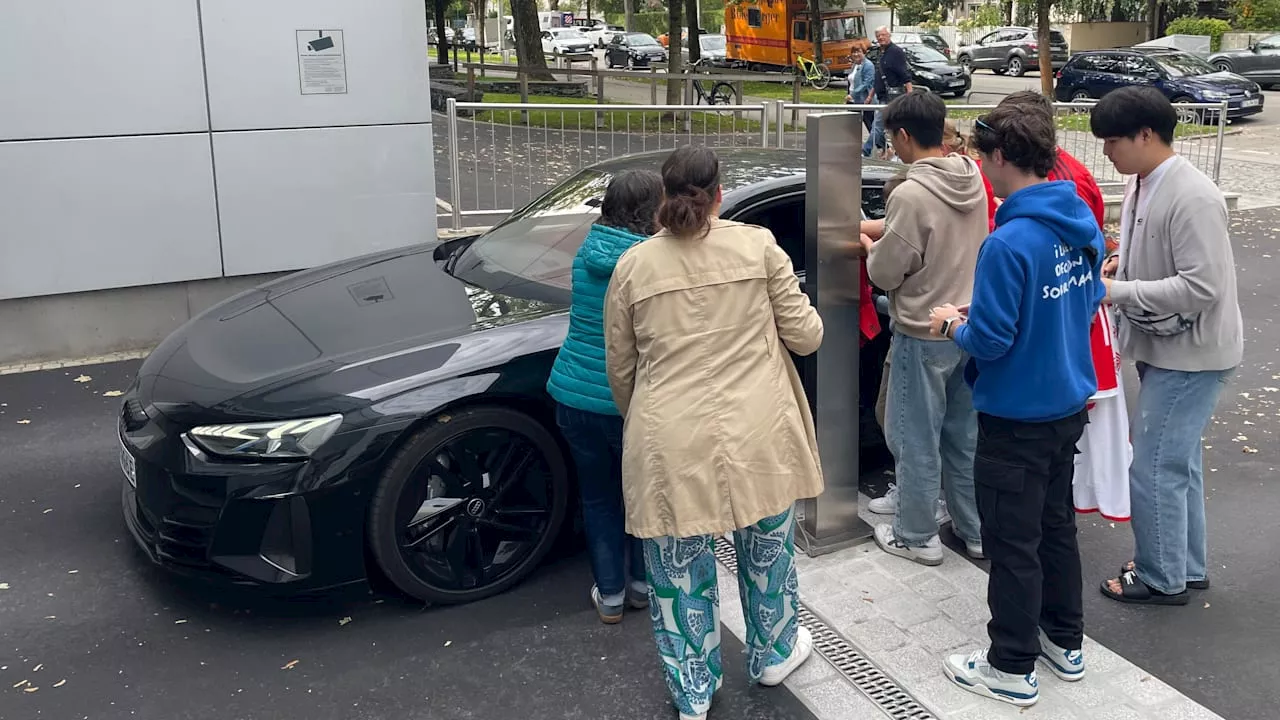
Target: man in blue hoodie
1036, 289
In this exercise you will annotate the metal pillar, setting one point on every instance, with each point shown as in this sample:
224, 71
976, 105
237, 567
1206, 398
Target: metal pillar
832, 280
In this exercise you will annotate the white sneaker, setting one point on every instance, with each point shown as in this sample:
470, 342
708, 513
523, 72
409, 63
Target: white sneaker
775, 674
1068, 665
930, 554
975, 674
975, 550
887, 504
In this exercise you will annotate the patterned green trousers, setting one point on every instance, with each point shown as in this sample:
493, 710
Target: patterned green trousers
684, 604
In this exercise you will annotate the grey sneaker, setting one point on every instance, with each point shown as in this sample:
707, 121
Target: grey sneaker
610, 614
637, 599
1068, 665
929, 554
975, 674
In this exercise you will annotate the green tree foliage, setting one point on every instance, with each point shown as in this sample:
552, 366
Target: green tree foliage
916, 12
1256, 14
1200, 26
985, 16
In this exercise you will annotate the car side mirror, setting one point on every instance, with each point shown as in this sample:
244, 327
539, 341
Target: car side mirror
1153, 75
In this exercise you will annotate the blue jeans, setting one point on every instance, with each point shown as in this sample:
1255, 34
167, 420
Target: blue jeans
595, 441
876, 137
932, 431
1166, 479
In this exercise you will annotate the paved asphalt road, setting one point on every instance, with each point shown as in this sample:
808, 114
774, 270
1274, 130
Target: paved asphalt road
79, 603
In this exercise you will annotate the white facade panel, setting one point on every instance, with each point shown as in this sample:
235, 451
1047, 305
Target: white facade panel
88, 68
106, 213
257, 79
294, 199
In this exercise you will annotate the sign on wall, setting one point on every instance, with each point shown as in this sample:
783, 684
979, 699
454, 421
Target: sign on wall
322, 62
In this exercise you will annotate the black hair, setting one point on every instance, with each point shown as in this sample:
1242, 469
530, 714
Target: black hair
631, 202
1029, 98
1026, 139
690, 178
1124, 112
921, 114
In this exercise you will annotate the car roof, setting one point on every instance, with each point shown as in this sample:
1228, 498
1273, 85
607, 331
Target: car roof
742, 167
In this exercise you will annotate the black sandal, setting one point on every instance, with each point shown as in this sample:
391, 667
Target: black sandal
1135, 592
1192, 584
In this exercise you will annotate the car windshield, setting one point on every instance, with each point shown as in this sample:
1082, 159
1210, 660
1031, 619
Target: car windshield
711, 42
567, 34
1183, 65
925, 54
842, 28
639, 39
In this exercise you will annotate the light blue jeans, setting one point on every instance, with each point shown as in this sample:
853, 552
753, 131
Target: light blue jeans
876, 137
1166, 479
932, 431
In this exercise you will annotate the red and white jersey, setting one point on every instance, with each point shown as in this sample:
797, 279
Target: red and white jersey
1101, 482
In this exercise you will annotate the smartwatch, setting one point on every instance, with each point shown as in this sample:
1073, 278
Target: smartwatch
947, 325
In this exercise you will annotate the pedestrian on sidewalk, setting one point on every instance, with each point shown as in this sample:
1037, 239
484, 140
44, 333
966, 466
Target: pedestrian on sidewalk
1035, 292
699, 320
585, 411
862, 79
924, 257
1174, 285
893, 78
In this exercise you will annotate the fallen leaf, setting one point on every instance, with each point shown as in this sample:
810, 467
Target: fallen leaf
1206, 606
447, 643
31, 689
289, 665
50, 617
1249, 451
1240, 438
60, 683
20, 683
47, 511
24, 422
344, 621
83, 379
112, 393
4, 586
179, 622
72, 572
37, 668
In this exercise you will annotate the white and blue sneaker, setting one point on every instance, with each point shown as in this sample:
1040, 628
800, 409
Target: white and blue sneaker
975, 674
1068, 665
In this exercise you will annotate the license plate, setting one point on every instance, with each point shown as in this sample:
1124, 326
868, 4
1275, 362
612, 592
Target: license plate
1254, 102
957, 83
129, 466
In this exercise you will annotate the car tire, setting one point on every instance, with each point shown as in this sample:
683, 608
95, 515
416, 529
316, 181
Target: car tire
1222, 66
402, 492
1189, 115
1080, 94
1016, 67
966, 64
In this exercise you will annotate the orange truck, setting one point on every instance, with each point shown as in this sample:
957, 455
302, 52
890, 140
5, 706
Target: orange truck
770, 34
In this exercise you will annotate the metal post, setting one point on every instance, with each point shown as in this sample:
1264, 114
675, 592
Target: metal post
653, 85
831, 375
1222, 131
455, 182
764, 123
781, 128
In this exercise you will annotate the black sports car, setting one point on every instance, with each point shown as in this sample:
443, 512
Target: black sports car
388, 412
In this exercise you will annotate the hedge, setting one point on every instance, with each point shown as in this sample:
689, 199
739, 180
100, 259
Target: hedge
656, 23
1200, 26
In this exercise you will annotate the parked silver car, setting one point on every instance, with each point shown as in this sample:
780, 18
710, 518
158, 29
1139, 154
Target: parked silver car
1260, 62
1012, 50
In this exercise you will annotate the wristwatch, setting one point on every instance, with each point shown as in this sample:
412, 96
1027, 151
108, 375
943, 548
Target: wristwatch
947, 325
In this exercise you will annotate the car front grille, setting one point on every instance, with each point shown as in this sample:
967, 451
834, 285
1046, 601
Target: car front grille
133, 416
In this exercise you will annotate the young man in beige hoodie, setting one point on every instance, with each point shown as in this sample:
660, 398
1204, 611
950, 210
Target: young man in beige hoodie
925, 257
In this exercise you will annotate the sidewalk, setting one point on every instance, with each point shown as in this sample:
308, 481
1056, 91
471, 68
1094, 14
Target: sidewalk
906, 617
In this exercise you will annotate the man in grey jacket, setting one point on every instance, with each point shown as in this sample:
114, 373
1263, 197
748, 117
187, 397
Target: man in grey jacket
1174, 285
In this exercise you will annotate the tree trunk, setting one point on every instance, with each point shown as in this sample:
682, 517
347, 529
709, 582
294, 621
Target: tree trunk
695, 44
815, 28
1153, 19
629, 15
480, 19
674, 66
1042, 41
524, 15
442, 43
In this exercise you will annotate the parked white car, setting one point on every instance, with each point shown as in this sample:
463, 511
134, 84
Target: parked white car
565, 41
602, 34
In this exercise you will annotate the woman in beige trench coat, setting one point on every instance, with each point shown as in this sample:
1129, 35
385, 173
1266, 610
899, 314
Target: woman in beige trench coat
718, 436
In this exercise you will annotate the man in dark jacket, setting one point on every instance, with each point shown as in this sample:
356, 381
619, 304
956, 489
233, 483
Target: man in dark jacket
893, 78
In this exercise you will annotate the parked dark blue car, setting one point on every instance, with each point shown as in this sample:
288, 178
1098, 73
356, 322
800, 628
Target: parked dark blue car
1181, 76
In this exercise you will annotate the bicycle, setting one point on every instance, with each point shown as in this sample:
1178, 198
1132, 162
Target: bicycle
818, 75
721, 92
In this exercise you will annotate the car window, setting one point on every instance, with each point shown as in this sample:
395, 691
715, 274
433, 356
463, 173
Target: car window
638, 39
711, 42
754, 17
1084, 62
1183, 65
989, 38
1057, 38
924, 54
1135, 65
1011, 35
800, 30
1268, 43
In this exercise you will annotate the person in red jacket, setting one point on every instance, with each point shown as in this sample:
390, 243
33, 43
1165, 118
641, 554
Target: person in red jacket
1065, 167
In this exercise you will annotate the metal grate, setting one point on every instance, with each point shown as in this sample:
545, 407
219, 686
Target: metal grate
888, 695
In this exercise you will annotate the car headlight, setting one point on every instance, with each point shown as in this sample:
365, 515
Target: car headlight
282, 439
1216, 94
929, 76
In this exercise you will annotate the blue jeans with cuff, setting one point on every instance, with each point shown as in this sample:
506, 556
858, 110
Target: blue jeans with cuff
1166, 478
932, 431
595, 441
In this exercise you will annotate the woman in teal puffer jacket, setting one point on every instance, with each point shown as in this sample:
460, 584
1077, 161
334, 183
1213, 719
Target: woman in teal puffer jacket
585, 412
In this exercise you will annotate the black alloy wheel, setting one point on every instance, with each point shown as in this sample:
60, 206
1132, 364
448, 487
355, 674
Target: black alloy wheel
469, 506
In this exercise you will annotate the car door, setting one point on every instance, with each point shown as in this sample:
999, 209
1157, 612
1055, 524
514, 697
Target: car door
1104, 74
982, 52
547, 46
617, 52
1007, 42
1263, 66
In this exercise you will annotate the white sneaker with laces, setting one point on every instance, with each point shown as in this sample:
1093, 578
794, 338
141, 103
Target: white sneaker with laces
975, 674
929, 554
775, 674
1068, 665
887, 504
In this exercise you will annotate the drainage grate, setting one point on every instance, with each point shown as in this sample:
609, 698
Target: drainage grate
865, 676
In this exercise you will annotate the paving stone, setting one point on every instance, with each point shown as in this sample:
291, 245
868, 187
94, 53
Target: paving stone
965, 609
1099, 659
844, 609
876, 637
1088, 693
939, 635
942, 696
988, 709
931, 586
1144, 688
838, 699
815, 670
912, 663
1184, 709
872, 584
1119, 712
908, 609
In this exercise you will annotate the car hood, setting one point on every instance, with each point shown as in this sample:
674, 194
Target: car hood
1217, 81
938, 68
318, 341
1242, 52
